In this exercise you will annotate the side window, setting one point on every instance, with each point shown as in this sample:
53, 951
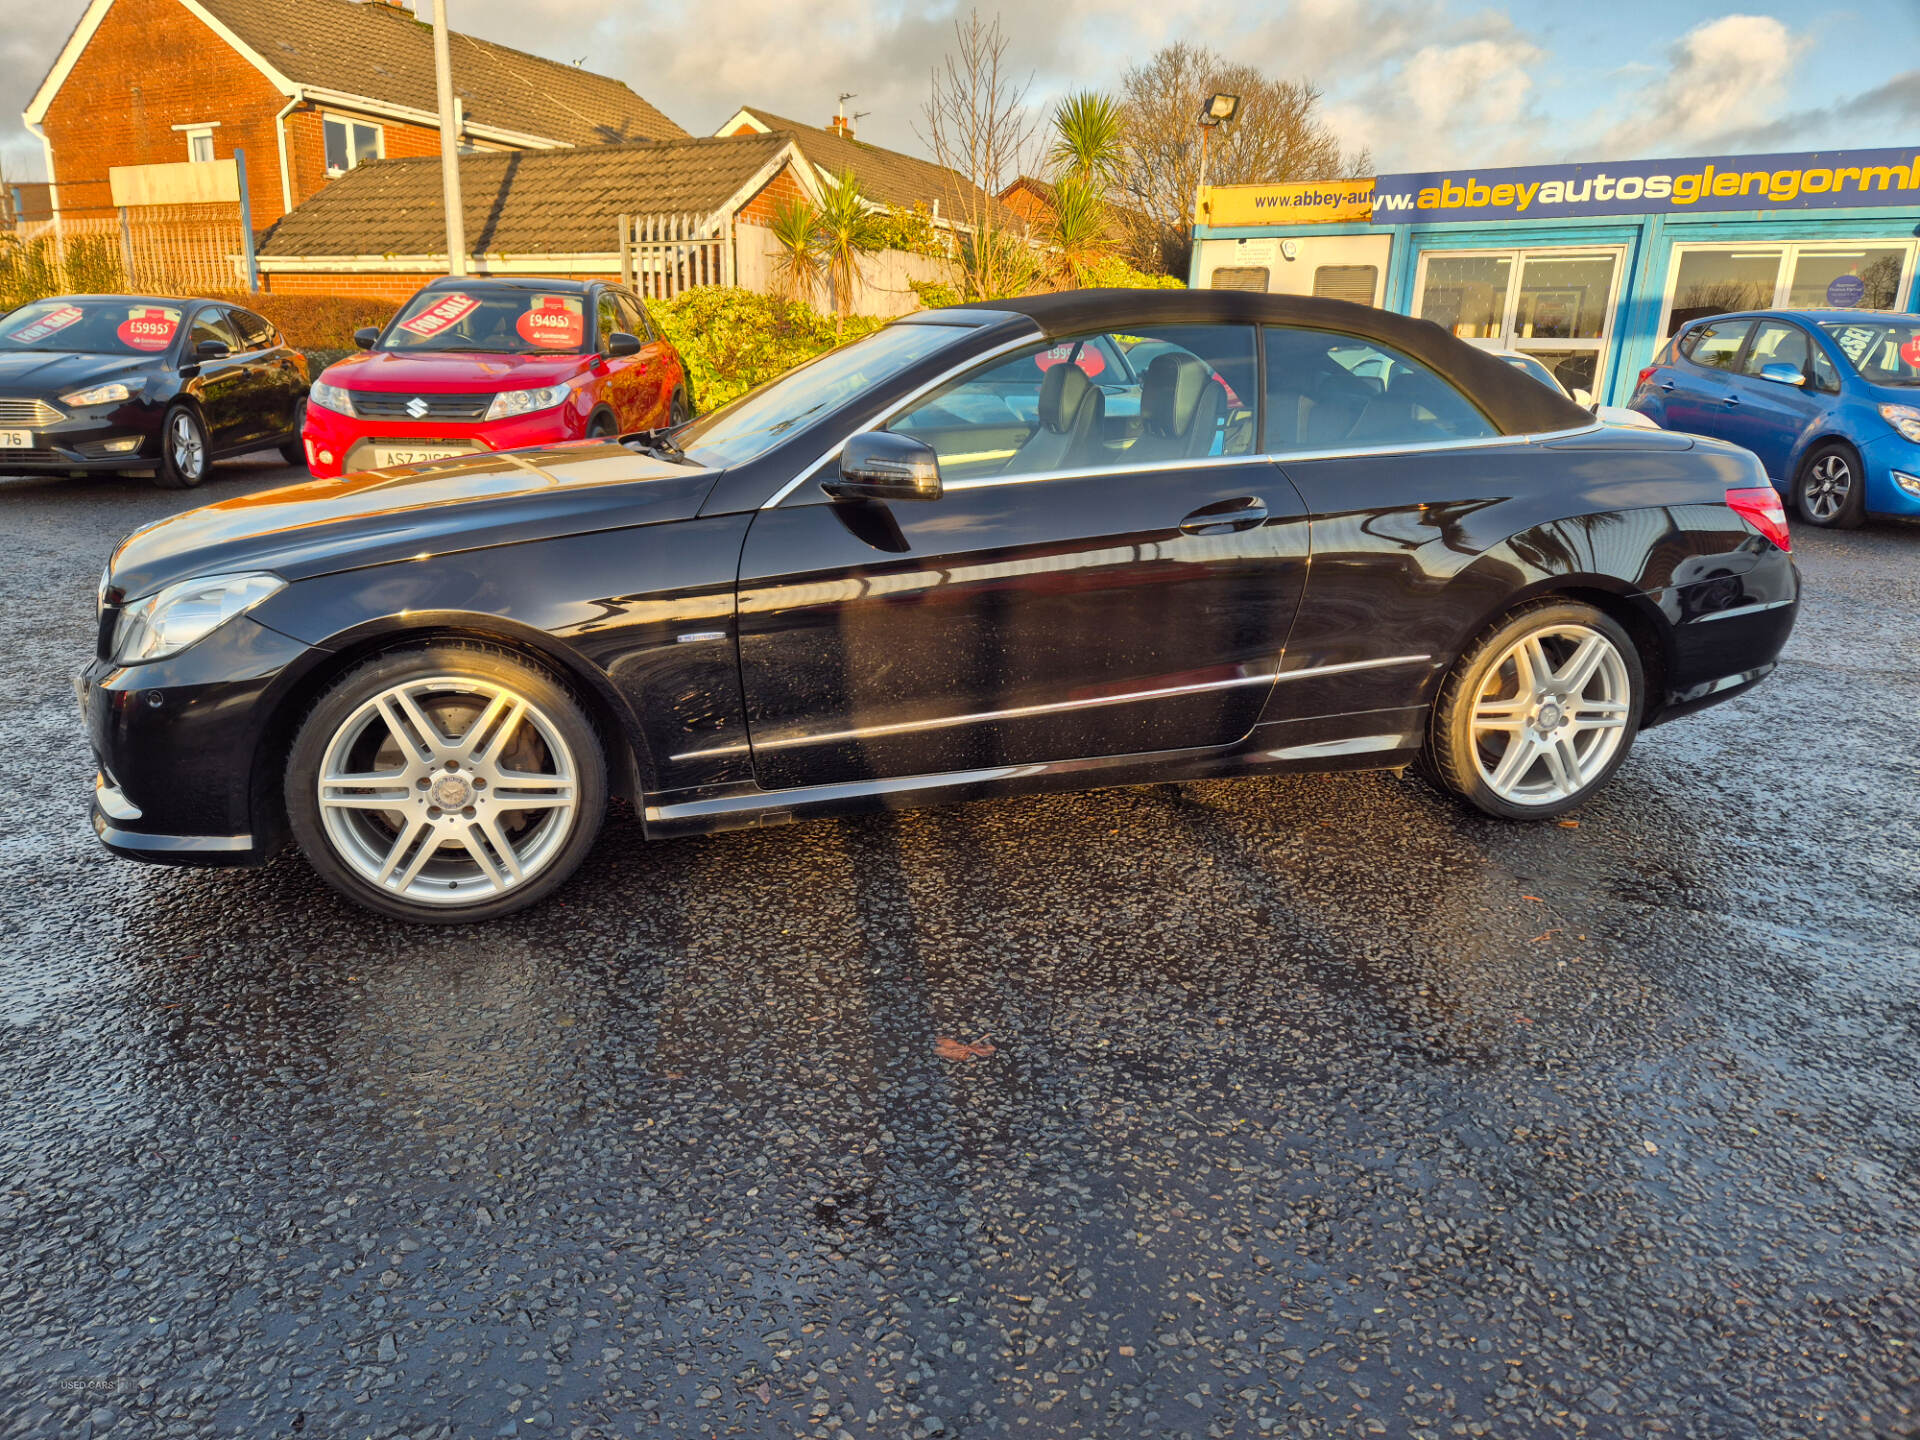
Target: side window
209, 325
1094, 402
633, 318
1776, 342
1328, 391
254, 332
1824, 375
609, 320
1715, 345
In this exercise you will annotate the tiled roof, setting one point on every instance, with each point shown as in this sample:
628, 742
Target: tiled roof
886, 177
529, 202
382, 52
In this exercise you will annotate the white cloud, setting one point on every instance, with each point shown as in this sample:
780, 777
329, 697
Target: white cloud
1727, 76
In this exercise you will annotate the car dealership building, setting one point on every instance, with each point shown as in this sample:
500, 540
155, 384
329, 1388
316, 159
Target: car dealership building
1589, 267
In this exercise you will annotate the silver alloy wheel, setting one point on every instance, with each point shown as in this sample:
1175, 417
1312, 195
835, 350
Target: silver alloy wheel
189, 451
447, 790
1829, 482
1550, 715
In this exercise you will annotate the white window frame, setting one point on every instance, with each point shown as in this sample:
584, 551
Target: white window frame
194, 135
1517, 257
354, 158
1788, 252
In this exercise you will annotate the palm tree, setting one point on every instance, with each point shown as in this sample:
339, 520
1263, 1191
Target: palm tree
1079, 231
847, 229
1087, 137
796, 259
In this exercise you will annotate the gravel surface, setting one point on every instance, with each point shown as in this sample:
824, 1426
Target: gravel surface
1313, 1107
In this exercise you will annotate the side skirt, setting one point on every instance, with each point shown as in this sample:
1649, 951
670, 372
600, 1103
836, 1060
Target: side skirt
1371, 740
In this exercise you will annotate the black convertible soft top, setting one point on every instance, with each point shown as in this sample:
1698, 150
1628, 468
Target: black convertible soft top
1515, 402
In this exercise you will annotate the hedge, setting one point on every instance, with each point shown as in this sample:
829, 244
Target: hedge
732, 340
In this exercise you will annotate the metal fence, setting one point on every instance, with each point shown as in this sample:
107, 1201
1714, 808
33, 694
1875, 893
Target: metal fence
663, 255
160, 249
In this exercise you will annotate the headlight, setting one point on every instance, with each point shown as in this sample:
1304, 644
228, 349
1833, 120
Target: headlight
1904, 418
99, 395
169, 620
526, 402
330, 397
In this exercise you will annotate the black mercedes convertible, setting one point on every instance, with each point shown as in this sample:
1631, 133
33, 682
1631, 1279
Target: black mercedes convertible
1090, 539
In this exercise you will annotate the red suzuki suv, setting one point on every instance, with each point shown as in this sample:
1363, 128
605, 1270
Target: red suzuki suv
489, 364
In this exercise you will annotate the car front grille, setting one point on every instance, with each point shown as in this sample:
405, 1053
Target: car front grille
15, 411
392, 405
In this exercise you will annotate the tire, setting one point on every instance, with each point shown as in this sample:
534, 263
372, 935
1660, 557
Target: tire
1831, 488
677, 411
1489, 704
602, 426
185, 455
443, 851
294, 452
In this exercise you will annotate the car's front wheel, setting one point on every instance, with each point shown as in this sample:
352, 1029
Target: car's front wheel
183, 450
1831, 490
1539, 712
294, 449
444, 784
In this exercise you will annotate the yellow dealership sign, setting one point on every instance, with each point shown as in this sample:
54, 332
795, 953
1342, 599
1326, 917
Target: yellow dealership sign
1306, 202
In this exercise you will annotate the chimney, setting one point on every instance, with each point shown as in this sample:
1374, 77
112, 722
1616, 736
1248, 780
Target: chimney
841, 126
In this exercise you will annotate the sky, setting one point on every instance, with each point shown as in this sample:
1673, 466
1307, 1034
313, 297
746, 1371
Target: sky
1423, 84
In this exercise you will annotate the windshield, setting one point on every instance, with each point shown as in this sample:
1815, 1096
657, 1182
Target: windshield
497, 322
761, 419
1885, 352
91, 325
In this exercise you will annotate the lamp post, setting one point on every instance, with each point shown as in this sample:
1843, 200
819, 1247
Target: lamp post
1218, 111
449, 146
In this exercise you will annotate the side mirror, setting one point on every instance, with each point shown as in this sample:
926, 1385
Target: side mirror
879, 465
211, 350
1583, 398
621, 343
366, 339
1782, 373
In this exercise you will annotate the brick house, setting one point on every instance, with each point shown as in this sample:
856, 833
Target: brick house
310, 89
380, 231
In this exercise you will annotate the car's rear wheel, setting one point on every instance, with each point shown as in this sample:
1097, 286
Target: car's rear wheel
1539, 712
294, 452
677, 413
183, 450
446, 784
1832, 489
602, 426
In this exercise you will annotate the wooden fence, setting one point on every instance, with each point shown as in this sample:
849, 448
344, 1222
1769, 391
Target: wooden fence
663, 255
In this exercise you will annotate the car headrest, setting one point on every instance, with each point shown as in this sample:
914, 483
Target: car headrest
1061, 395
1171, 393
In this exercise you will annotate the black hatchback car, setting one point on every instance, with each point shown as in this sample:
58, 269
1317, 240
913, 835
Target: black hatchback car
1083, 540
142, 382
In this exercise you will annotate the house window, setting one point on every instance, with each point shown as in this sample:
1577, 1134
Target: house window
199, 143
349, 143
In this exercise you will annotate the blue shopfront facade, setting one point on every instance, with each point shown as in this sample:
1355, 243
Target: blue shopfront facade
1591, 267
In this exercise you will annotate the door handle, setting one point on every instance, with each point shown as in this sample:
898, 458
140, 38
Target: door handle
1666, 385
1223, 517
1731, 400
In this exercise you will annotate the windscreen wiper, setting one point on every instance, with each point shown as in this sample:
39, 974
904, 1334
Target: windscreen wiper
660, 442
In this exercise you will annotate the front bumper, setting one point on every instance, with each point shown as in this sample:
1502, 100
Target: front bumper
82, 441
176, 743
337, 444
1887, 458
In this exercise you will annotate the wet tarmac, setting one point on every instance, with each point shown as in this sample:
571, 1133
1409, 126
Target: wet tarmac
1304, 1107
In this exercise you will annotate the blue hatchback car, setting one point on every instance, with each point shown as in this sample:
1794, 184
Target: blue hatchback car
1828, 399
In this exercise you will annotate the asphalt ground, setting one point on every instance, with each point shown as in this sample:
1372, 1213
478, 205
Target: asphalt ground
1313, 1107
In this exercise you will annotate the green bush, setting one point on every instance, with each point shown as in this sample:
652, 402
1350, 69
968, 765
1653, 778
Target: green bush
315, 322
1111, 272
733, 340
32, 271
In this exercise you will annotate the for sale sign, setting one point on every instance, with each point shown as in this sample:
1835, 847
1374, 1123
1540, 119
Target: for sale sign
448, 310
51, 323
149, 327
1090, 360
553, 322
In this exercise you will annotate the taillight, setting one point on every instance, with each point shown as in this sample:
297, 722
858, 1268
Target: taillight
1761, 508
1647, 374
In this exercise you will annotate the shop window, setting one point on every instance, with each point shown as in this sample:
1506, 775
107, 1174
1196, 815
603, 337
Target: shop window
1467, 294
349, 143
1357, 283
1712, 282
1867, 278
1563, 299
1241, 277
